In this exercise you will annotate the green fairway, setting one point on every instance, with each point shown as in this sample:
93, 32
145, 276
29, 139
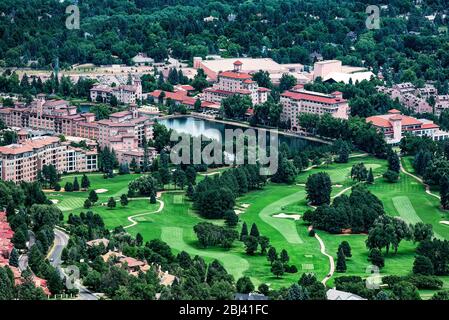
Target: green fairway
405, 209
235, 264
174, 224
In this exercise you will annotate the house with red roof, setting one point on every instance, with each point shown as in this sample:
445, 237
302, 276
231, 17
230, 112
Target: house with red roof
235, 82
395, 125
299, 101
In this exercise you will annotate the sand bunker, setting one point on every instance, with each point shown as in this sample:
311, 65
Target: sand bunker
245, 205
238, 212
301, 184
101, 190
287, 216
337, 185
444, 222
54, 201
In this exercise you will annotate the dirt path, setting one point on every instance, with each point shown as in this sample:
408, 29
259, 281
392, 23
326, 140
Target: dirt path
421, 181
133, 222
331, 259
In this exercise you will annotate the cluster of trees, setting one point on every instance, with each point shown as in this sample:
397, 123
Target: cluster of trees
360, 173
24, 291
212, 235
355, 130
355, 213
75, 185
212, 197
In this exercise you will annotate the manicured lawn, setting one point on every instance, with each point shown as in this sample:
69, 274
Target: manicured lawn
174, 224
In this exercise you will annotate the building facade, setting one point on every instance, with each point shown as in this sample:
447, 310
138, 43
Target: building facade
127, 94
299, 101
21, 162
394, 126
235, 82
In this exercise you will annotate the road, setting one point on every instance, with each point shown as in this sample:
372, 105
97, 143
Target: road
23, 259
60, 242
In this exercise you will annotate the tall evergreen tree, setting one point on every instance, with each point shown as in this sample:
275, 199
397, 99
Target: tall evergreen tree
444, 192
244, 232
254, 231
14, 258
341, 262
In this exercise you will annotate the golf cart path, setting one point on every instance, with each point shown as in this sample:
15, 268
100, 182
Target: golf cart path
133, 222
426, 186
331, 259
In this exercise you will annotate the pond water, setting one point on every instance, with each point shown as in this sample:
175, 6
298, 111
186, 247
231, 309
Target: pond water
216, 130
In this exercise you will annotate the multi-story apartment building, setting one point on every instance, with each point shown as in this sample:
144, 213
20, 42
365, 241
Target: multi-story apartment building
299, 101
394, 125
235, 82
21, 162
127, 94
57, 117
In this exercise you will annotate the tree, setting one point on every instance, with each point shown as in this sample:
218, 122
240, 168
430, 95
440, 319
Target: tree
231, 218
394, 163
359, 172
244, 285
200, 80
93, 197
68, 187
421, 231
444, 192
14, 258
87, 204
287, 82
251, 244
139, 239
153, 198
264, 289
76, 185
190, 191
391, 176
85, 183
272, 255
124, 200
370, 178
318, 188
19, 239
286, 172
277, 268
341, 262
264, 243
254, 231
376, 258
344, 245
244, 232
296, 292
423, 265
284, 256
111, 203
405, 291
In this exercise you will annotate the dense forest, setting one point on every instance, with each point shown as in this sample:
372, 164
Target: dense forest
406, 46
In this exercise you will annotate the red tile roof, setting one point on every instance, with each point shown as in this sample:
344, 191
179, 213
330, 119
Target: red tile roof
238, 63
311, 97
235, 75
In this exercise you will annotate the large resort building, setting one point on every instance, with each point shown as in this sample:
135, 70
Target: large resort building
394, 126
298, 101
127, 94
22, 161
235, 82
123, 133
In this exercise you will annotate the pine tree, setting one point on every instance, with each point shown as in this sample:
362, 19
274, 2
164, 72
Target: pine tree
139, 239
370, 178
87, 204
93, 197
393, 161
231, 218
111, 203
124, 200
76, 185
254, 231
346, 249
284, 256
190, 191
272, 255
153, 198
444, 192
341, 261
244, 232
14, 258
85, 183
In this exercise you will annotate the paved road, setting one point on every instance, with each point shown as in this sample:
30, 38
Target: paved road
61, 241
23, 259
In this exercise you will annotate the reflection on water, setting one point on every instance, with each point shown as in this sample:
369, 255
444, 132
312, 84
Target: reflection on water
216, 130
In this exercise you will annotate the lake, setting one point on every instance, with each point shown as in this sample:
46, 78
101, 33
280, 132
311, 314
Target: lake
216, 130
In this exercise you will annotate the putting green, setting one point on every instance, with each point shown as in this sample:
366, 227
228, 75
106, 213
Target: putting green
233, 263
70, 203
286, 227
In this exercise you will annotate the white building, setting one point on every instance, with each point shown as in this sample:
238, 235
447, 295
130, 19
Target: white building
127, 94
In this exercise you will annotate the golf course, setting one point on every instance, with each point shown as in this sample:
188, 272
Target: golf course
277, 210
